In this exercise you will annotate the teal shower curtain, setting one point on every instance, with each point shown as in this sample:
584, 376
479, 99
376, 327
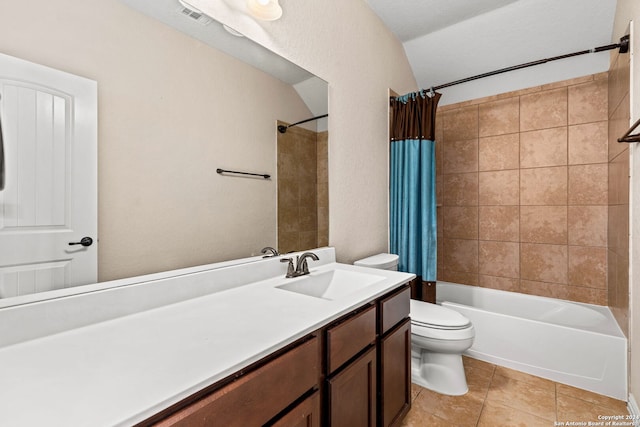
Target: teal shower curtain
413, 221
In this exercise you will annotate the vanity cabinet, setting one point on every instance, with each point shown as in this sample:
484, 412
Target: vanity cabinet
265, 392
368, 367
353, 372
394, 355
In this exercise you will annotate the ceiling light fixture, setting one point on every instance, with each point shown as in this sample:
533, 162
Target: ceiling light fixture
265, 10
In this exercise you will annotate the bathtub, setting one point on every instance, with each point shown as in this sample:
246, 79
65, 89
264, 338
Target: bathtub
576, 344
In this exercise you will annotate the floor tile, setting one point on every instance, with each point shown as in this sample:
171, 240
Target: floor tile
574, 409
495, 415
457, 410
522, 396
598, 399
524, 377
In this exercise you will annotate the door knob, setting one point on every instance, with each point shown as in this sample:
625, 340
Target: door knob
85, 241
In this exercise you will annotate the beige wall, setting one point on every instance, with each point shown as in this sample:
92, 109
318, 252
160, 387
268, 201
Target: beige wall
346, 44
626, 11
168, 117
522, 180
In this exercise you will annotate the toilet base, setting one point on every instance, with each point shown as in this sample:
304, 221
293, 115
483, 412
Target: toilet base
439, 372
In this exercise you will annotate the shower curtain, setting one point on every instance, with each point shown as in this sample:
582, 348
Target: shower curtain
413, 223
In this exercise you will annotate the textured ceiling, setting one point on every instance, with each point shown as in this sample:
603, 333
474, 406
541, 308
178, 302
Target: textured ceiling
454, 39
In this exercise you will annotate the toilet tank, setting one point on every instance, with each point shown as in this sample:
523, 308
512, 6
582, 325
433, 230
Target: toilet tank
380, 261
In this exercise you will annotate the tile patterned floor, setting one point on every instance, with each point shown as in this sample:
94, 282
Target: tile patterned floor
503, 397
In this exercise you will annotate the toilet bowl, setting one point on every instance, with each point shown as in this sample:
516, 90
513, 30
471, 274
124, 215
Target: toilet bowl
439, 336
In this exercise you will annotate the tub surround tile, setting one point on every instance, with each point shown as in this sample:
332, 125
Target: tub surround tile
499, 223
587, 295
542, 110
588, 266
499, 117
543, 186
462, 277
499, 152
500, 283
543, 224
461, 156
461, 255
460, 124
460, 222
588, 102
587, 225
543, 263
588, 184
544, 289
500, 259
539, 167
546, 147
499, 187
460, 189
588, 143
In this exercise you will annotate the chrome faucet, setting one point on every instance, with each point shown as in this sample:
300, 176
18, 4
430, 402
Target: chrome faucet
269, 251
301, 268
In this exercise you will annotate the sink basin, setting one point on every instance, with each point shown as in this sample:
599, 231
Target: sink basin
331, 284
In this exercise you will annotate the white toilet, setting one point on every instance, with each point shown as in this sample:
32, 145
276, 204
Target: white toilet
439, 336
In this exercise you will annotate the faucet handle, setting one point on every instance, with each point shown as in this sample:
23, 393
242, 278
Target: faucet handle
291, 270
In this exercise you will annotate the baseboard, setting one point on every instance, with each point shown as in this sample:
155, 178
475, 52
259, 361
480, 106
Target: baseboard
633, 408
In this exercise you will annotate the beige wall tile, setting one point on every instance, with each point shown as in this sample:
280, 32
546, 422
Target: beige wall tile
543, 263
588, 266
543, 186
460, 156
460, 189
460, 124
543, 110
499, 187
543, 224
499, 117
460, 222
499, 152
501, 259
618, 126
460, 255
499, 223
588, 184
500, 283
587, 225
618, 191
460, 277
545, 147
544, 289
588, 143
588, 102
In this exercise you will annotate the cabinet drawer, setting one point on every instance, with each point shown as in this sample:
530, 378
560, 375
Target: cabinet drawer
394, 309
348, 338
258, 396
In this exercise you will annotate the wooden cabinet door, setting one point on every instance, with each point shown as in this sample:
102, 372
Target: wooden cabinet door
395, 376
305, 414
352, 393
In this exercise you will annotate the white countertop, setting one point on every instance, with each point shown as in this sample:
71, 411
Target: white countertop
121, 371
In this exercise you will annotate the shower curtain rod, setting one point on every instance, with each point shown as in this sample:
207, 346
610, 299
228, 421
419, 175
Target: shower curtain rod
283, 129
623, 45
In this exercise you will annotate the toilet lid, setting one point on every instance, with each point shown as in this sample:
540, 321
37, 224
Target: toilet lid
436, 316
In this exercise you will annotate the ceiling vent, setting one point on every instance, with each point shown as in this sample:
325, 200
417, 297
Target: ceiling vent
193, 13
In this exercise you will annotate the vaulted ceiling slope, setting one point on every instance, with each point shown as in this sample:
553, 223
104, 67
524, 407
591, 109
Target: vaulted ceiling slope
453, 39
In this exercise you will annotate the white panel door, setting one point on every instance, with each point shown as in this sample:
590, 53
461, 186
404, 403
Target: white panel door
49, 126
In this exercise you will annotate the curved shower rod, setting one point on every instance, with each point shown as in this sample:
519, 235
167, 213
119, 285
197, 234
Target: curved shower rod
283, 128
